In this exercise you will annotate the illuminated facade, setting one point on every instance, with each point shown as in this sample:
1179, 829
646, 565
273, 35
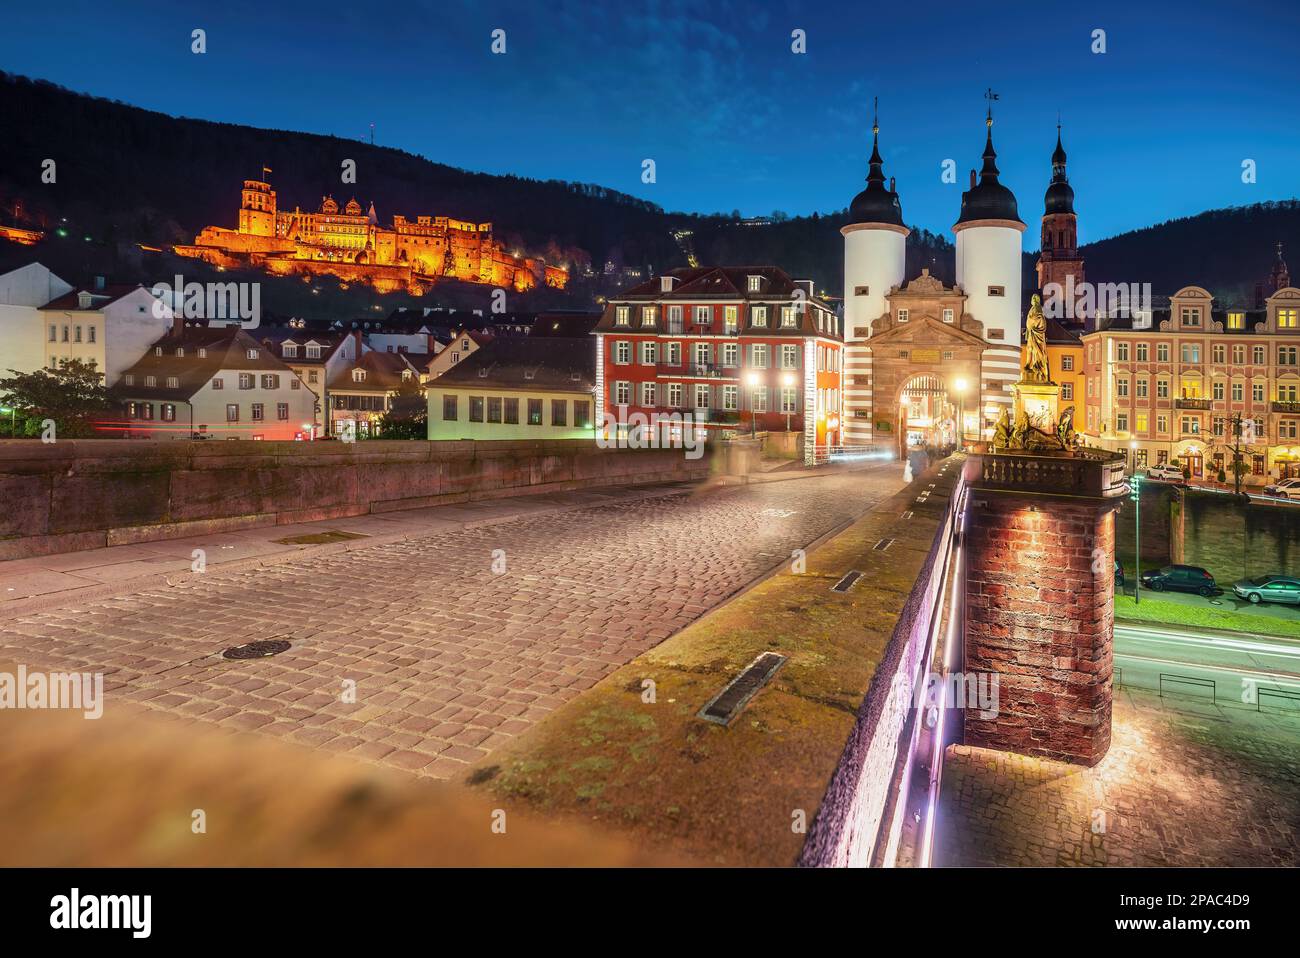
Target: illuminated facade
1167, 388
349, 243
744, 348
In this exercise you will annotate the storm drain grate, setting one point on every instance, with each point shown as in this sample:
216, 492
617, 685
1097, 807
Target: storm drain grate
728, 703
846, 583
256, 650
882, 545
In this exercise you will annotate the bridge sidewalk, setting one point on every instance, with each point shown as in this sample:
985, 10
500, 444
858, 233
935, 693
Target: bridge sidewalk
631, 754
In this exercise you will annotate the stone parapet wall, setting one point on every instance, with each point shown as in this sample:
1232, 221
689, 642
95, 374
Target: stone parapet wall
85, 494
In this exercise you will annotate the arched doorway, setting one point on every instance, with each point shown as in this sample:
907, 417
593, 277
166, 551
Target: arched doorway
926, 417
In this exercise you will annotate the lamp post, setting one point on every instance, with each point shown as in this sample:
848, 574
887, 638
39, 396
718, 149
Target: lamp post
959, 387
1135, 493
787, 380
751, 380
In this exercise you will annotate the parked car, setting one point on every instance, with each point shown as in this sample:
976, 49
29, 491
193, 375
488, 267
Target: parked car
1180, 578
1166, 473
1283, 589
1286, 489
1119, 574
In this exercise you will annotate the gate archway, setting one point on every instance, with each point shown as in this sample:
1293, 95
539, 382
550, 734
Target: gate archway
926, 416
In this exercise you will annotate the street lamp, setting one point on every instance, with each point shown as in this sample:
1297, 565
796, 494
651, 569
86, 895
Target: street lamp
787, 380
959, 387
1135, 493
751, 380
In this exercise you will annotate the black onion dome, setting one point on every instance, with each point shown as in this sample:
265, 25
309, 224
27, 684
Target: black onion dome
1059, 198
1060, 195
988, 199
876, 204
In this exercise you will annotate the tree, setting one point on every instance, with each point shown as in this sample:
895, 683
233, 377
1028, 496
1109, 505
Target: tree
1237, 441
72, 395
408, 413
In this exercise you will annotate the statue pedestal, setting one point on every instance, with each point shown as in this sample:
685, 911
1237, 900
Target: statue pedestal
1040, 402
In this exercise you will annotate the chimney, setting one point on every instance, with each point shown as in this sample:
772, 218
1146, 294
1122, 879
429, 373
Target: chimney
99, 282
178, 323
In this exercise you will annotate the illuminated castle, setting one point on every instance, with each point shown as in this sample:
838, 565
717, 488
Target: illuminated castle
350, 244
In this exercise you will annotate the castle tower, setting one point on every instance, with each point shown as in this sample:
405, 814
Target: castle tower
989, 272
1059, 263
875, 258
257, 209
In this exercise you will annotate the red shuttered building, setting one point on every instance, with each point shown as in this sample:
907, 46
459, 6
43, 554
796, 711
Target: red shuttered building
739, 349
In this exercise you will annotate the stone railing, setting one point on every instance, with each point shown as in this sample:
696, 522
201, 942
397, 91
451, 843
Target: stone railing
1191, 402
1083, 472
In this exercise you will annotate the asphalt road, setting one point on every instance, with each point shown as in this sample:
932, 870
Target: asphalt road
1240, 666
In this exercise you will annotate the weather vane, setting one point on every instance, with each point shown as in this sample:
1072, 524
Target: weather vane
990, 96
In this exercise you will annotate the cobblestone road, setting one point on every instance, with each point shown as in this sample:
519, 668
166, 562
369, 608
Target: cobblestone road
1184, 783
449, 658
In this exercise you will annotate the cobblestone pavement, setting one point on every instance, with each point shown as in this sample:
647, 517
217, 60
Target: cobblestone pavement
449, 658
1184, 783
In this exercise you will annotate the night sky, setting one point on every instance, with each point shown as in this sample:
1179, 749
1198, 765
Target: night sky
1156, 127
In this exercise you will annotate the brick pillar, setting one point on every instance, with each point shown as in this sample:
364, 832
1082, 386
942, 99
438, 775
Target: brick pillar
1041, 619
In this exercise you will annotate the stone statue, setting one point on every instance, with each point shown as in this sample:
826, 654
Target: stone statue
1020, 431
1065, 428
1036, 368
1002, 431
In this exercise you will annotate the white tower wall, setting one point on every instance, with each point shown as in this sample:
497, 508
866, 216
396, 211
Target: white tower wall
874, 257
990, 256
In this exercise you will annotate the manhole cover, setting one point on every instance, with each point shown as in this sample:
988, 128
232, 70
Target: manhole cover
256, 650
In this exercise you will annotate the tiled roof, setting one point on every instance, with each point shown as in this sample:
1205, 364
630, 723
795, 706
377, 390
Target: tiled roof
528, 363
383, 373
205, 352
99, 297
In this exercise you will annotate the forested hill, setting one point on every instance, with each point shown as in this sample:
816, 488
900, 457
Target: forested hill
125, 175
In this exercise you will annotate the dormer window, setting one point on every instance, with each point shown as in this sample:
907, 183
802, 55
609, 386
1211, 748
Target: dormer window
203, 353
1190, 315
760, 316
622, 315
947, 315
902, 315
647, 315
313, 352
129, 379
666, 284
157, 350
289, 350
1287, 318
1236, 320
530, 374
251, 353
180, 352
755, 284
84, 300
358, 375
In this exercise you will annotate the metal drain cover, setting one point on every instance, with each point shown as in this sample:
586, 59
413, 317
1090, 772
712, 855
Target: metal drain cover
256, 650
728, 703
846, 583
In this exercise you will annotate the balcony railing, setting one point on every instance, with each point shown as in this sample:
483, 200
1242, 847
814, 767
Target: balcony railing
1189, 402
704, 414
1286, 405
1083, 472
697, 370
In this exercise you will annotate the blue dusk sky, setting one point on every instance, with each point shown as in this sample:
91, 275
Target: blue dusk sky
1156, 127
